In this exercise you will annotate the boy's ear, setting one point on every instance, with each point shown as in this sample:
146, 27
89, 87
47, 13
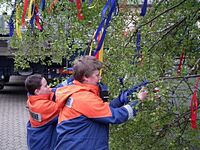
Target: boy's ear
37, 91
85, 78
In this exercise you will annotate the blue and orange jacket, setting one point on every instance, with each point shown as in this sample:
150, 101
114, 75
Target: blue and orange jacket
84, 119
42, 109
43, 118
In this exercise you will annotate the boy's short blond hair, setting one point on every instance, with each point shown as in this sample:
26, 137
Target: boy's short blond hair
84, 66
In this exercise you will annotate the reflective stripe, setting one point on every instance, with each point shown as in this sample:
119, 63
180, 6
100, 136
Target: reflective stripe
36, 116
130, 111
69, 102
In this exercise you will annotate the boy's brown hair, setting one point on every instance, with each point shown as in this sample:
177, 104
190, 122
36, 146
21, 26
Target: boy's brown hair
84, 66
33, 82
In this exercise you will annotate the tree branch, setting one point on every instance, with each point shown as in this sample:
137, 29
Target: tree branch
173, 27
196, 67
134, 33
162, 14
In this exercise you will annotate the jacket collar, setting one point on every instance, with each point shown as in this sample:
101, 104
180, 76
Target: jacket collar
90, 87
39, 97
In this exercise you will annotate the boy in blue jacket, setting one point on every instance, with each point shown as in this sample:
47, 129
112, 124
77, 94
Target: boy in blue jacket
84, 117
43, 118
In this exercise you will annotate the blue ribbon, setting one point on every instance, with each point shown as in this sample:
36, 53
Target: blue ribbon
104, 10
32, 22
89, 2
105, 22
121, 81
143, 12
42, 5
100, 42
144, 8
11, 22
32, 18
138, 47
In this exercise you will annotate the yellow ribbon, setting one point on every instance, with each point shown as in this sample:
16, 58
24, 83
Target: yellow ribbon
91, 45
18, 31
30, 10
100, 53
101, 56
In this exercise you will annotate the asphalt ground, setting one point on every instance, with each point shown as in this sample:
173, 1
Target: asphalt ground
13, 115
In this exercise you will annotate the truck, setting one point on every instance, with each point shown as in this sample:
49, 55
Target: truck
7, 65
6, 61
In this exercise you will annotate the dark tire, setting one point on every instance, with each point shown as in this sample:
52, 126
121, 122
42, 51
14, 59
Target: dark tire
1, 86
6, 79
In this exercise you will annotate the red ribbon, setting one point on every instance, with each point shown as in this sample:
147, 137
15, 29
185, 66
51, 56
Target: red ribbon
98, 39
78, 7
181, 61
194, 106
37, 18
24, 12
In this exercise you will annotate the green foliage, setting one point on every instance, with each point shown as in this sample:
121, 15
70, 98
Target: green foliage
162, 124
63, 34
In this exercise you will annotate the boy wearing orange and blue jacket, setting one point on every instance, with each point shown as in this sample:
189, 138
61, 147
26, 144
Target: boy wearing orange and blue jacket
43, 118
84, 118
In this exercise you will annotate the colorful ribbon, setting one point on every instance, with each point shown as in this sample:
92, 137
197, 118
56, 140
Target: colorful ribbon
24, 12
194, 106
138, 47
143, 13
42, 5
11, 23
37, 18
18, 30
99, 55
78, 7
144, 8
181, 61
31, 9
105, 22
32, 22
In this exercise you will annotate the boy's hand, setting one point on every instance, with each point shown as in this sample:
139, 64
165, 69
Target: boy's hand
142, 94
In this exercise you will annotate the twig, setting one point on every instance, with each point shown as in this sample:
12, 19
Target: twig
162, 13
173, 27
195, 67
188, 86
131, 37
177, 77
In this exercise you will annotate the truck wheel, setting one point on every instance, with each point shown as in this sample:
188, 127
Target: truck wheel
1, 86
6, 79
